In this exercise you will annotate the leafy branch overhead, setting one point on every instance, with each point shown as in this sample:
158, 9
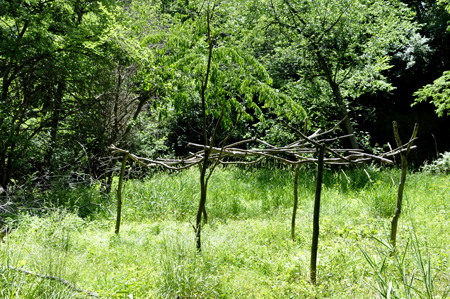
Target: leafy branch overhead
237, 80
437, 94
354, 38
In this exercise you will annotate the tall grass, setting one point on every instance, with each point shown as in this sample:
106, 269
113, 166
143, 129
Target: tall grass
247, 251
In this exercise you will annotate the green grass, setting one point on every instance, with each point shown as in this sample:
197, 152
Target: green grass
247, 251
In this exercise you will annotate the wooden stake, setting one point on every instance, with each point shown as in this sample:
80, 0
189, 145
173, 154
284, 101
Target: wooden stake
294, 212
401, 184
119, 193
315, 238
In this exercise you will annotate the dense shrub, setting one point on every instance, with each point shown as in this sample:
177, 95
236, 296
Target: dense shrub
439, 166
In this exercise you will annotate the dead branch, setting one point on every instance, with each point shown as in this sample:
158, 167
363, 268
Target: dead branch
55, 278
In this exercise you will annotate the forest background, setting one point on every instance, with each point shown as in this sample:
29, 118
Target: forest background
79, 76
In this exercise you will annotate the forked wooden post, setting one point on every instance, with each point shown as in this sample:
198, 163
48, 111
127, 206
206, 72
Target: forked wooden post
315, 238
401, 184
119, 192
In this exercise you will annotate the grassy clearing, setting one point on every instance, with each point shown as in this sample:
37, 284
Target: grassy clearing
247, 250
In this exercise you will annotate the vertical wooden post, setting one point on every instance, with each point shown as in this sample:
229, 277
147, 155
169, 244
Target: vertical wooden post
119, 193
315, 238
401, 184
294, 212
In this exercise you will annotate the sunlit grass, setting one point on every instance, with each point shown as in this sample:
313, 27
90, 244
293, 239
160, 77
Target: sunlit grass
247, 249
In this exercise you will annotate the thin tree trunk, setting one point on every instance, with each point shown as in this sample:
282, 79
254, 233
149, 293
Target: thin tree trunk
54, 124
119, 193
7, 150
315, 237
203, 178
3, 180
6, 166
201, 206
337, 94
109, 177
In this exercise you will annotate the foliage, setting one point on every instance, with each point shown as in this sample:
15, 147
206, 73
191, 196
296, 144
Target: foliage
75, 76
237, 80
52, 56
439, 166
332, 52
437, 94
445, 3
150, 139
355, 39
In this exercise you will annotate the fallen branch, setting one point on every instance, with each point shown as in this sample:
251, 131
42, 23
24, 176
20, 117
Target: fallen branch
55, 278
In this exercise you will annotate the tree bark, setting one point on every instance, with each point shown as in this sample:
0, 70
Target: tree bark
315, 237
398, 207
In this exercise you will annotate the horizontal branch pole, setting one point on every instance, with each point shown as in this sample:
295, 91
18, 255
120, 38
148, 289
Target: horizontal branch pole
401, 148
350, 156
242, 162
271, 153
315, 142
190, 162
295, 149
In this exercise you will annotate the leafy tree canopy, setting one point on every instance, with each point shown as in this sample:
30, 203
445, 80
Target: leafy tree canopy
437, 93
52, 55
326, 53
237, 80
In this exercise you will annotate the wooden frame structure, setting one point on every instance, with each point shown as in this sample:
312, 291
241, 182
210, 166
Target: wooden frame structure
299, 152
